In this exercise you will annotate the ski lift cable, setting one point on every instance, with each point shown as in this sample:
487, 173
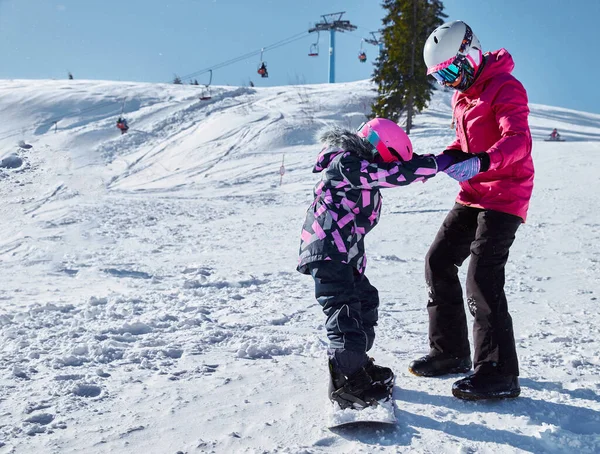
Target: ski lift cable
367, 28
373, 39
245, 56
275, 45
302, 36
362, 38
219, 65
270, 48
355, 35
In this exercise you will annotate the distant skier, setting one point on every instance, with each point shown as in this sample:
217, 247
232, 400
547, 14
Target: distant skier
491, 158
346, 207
554, 135
122, 125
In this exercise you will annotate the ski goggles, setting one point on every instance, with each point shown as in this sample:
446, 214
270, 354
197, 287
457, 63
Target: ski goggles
450, 71
371, 138
368, 134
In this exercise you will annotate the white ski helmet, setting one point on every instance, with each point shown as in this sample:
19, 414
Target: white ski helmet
453, 55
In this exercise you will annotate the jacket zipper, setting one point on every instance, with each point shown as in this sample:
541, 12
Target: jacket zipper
468, 107
462, 123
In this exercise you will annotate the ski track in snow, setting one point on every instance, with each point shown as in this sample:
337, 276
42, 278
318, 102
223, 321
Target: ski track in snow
150, 300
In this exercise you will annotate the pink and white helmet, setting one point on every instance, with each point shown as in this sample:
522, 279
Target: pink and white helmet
453, 55
389, 140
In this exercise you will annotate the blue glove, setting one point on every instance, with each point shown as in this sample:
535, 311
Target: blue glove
465, 170
466, 165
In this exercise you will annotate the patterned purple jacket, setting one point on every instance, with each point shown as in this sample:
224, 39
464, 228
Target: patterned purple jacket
347, 199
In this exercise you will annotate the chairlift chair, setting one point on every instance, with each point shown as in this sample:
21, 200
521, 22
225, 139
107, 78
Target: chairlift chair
262, 67
205, 95
362, 55
314, 48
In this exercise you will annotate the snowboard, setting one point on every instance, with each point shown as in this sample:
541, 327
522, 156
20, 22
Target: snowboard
383, 413
554, 140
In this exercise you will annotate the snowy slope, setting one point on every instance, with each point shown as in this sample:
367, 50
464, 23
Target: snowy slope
150, 301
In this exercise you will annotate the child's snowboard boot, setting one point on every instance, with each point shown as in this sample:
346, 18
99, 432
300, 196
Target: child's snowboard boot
381, 376
358, 390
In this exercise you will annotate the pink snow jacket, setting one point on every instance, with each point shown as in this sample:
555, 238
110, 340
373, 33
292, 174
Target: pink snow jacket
347, 200
491, 117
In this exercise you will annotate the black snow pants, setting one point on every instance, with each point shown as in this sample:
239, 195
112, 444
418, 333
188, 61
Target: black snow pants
486, 236
351, 304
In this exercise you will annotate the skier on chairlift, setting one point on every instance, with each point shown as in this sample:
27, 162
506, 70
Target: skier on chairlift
362, 55
262, 70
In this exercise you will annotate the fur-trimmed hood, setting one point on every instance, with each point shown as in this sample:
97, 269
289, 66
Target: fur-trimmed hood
337, 141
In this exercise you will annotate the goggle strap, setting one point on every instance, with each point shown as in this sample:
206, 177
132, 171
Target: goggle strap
395, 154
440, 66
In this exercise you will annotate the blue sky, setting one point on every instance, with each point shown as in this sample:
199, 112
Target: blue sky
554, 43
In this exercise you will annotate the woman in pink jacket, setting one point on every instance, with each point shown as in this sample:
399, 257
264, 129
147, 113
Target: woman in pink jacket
491, 158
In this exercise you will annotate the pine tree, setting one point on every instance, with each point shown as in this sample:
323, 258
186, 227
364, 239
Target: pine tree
400, 72
177, 80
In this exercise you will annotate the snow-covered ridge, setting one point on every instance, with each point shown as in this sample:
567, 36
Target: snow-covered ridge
175, 137
149, 297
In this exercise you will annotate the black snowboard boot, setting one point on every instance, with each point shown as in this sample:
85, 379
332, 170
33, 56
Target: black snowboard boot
355, 391
481, 386
381, 376
432, 366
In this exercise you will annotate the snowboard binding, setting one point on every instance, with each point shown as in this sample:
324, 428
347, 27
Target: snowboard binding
360, 390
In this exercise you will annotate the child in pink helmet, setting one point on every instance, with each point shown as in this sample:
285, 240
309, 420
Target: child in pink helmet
346, 207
